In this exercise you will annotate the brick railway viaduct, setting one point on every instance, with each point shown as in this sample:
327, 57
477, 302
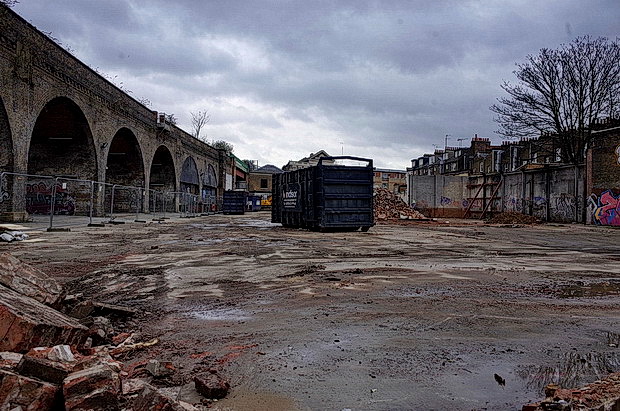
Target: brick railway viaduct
59, 117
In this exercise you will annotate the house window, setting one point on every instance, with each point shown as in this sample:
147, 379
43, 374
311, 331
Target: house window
558, 155
263, 183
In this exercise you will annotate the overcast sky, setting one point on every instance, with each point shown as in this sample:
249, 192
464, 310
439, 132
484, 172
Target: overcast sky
282, 79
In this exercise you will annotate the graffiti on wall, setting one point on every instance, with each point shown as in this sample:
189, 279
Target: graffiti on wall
606, 209
39, 199
618, 155
448, 202
4, 191
564, 206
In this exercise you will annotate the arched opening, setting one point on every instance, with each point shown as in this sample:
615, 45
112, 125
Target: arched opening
162, 180
209, 188
6, 141
125, 165
189, 176
61, 145
125, 168
6, 160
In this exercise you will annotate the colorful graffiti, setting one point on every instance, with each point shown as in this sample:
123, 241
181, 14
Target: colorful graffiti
39, 198
607, 211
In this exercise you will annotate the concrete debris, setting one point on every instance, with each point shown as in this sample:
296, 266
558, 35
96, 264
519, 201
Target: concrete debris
211, 385
160, 369
24, 393
26, 323
27, 280
601, 395
61, 353
389, 206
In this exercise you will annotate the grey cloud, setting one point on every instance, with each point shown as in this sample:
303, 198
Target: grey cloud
383, 74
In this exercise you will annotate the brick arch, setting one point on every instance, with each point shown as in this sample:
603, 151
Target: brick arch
125, 162
189, 177
162, 175
6, 141
61, 141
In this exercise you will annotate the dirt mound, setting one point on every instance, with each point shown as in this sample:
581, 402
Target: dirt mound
512, 217
388, 205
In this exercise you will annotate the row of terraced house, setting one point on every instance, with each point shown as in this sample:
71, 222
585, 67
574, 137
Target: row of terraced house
532, 176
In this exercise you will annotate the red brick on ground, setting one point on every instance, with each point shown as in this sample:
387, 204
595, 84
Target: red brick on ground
27, 393
93, 388
27, 280
26, 323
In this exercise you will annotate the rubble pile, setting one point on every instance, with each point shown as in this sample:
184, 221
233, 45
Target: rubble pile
61, 352
601, 395
388, 206
512, 217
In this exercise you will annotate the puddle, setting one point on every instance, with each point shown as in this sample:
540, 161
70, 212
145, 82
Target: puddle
602, 289
572, 370
232, 314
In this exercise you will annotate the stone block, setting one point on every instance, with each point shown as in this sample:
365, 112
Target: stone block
19, 392
26, 323
27, 280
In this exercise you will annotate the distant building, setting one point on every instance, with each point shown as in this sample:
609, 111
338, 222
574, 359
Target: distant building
259, 183
393, 180
311, 160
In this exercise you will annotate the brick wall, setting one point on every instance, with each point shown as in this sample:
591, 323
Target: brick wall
34, 71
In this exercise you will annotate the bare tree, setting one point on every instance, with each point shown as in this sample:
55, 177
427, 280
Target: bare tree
563, 92
9, 3
199, 120
172, 119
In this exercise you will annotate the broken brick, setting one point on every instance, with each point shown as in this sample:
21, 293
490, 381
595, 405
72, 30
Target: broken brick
27, 280
20, 392
44, 369
9, 360
211, 385
97, 387
26, 323
150, 398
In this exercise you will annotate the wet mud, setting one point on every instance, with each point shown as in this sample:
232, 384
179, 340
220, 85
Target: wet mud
406, 316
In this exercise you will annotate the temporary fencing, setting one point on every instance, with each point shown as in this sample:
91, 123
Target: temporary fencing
53, 199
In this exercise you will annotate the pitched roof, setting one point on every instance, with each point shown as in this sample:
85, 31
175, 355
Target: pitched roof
268, 169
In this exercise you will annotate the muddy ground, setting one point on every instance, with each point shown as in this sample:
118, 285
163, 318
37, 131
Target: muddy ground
406, 316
